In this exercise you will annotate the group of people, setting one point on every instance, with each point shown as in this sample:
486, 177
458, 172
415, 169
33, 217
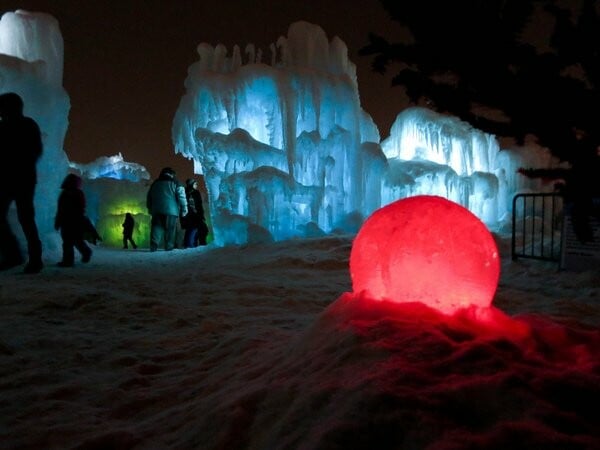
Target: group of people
21, 146
168, 202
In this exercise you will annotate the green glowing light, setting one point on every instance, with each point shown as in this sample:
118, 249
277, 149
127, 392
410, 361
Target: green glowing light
111, 229
110, 223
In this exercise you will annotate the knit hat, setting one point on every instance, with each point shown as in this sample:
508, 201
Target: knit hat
11, 104
167, 172
71, 181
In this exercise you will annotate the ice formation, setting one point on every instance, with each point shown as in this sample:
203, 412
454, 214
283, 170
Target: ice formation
114, 167
430, 153
109, 199
286, 149
34, 37
113, 187
31, 64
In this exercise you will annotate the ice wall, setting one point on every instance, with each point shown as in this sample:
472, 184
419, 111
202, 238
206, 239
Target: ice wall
31, 64
430, 153
109, 199
285, 148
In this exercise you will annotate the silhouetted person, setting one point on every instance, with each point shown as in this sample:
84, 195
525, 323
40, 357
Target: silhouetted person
20, 149
194, 223
166, 202
128, 225
579, 184
70, 221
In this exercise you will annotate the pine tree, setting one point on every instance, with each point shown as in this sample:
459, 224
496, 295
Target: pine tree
488, 63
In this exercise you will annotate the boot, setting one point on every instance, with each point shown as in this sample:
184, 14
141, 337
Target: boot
85, 258
33, 267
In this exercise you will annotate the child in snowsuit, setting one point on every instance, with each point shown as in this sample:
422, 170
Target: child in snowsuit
70, 221
128, 225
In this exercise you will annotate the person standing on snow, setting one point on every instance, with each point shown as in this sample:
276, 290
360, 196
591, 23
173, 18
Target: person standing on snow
70, 220
166, 202
194, 223
20, 149
128, 225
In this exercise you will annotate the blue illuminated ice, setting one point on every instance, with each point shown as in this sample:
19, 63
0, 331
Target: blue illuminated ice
114, 167
287, 150
31, 64
284, 145
34, 37
431, 153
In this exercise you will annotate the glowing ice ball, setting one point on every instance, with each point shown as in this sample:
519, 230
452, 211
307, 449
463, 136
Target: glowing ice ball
426, 249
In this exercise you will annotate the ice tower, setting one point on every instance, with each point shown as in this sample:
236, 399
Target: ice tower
31, 64
285, 148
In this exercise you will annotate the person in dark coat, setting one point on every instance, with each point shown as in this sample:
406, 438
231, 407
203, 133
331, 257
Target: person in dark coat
166, 202
128, 225
70, 221
20, 149
194, 223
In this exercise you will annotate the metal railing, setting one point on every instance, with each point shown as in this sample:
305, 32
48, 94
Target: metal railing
537, 226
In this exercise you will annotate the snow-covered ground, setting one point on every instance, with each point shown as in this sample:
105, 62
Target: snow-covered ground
256, 347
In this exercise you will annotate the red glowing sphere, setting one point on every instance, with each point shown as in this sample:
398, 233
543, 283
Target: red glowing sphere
426, 249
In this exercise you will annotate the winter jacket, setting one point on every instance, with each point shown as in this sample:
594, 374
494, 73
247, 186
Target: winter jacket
166, 196
128, 225
21, 143
195, 217
71, 205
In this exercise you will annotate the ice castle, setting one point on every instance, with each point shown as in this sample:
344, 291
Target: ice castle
282, 141
287, 151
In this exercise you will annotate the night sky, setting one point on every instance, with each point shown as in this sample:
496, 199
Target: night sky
126, 62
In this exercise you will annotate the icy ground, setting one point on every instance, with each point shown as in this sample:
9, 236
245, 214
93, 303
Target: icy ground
247, 348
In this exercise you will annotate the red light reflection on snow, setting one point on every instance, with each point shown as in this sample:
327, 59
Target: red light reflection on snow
420, 341
360, 312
